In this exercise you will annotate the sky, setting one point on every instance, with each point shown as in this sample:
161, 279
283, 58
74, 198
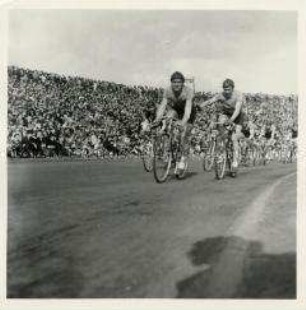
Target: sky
258, 49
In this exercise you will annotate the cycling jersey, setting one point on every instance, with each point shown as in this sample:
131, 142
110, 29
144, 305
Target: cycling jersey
227, 106
178, 103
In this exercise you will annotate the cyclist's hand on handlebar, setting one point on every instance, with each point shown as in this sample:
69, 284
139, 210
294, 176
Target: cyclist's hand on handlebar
155, 123
228, 122
180, 123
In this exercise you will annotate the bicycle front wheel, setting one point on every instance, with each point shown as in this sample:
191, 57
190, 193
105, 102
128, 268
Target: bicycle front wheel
220, 160
208, 160
147, 157
162, 158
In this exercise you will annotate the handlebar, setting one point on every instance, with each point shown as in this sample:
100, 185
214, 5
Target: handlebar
159, 123
225, 125
169, 120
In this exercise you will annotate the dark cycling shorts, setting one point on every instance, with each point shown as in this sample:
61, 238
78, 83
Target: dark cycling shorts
180, 114
241, 119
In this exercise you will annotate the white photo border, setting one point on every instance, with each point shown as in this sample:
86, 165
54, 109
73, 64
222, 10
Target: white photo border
134, 304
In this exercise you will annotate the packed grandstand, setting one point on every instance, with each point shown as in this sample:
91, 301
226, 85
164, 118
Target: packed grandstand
51, 115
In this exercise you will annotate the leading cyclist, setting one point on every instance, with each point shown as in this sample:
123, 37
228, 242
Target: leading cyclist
230, 103
177, 101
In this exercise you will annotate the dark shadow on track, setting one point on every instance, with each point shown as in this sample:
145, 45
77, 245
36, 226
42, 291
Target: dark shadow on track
261, 275
188, 175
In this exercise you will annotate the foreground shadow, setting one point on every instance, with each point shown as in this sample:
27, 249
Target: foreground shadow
237, 268
56, 279
188, 175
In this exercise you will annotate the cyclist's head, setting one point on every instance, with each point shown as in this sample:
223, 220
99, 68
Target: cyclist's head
177, 81
228, 87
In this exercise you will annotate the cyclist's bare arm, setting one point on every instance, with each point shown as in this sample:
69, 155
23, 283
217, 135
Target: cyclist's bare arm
208, 102
237, 110
161, 110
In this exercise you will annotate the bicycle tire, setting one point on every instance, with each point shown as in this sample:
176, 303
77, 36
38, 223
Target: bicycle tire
220, 159
162, 158
229, 159
148, 157
208, 161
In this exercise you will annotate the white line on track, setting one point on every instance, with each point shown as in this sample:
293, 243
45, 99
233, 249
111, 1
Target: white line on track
228, 270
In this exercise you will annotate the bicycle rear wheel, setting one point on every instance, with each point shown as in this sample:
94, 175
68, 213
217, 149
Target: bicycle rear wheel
147, 156
162, 158
220, 159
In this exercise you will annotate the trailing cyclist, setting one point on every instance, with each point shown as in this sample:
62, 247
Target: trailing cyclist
230, 104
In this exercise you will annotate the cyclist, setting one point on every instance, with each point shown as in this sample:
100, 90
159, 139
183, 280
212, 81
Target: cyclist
230, 103
177, 101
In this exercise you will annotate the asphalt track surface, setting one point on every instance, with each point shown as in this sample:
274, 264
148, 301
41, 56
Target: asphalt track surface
107, 230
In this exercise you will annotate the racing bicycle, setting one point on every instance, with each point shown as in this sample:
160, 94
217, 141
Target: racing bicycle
224, 151
167, 149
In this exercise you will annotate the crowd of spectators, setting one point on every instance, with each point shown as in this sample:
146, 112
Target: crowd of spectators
52, 115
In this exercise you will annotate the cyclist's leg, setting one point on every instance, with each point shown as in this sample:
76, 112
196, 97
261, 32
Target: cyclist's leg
241, 131
185, 143
185, 139
236, 136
